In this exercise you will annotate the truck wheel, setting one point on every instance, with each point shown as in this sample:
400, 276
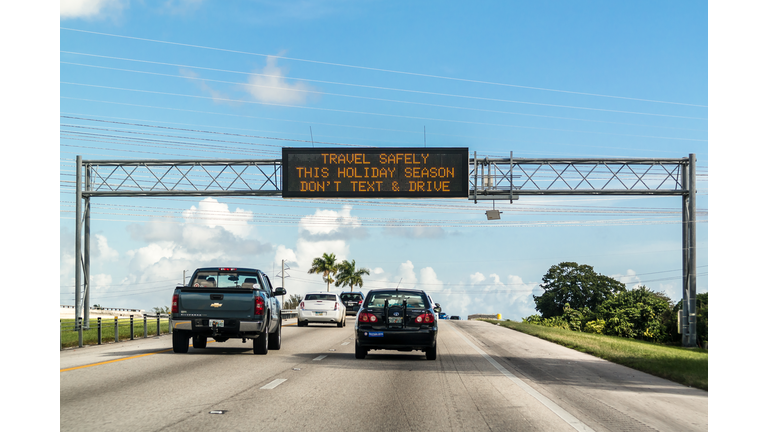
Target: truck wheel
360, 352
199, 341
180, 341
260, 345
275, 339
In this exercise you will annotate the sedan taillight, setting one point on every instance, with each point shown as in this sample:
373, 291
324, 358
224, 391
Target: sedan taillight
425, 318
367, 317
301, 305
336, 306
175, 304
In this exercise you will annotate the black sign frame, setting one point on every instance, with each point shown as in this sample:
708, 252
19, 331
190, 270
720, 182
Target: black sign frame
419, 172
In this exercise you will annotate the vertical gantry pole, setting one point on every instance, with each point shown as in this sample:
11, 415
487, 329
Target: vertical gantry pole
692, 254
685, 171
87, 252
78, 233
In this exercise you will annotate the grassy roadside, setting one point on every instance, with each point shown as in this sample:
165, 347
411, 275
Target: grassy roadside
69, 337
682, 365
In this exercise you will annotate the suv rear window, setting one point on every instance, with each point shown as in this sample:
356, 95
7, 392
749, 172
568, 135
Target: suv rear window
415, 300
320, 297
351, 296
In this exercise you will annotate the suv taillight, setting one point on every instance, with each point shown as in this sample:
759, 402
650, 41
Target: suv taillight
259, 309
360, 302
426, 318
367, 317
175, 304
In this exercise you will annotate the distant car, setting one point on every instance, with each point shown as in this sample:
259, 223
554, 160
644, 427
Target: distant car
455, 317
396, 319
442, 315
322, 308
353, 301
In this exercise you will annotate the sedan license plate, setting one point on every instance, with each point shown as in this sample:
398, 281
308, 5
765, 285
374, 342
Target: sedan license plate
216, 323
319, 313
395, 320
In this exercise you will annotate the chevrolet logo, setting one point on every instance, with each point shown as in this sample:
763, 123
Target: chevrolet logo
216, 305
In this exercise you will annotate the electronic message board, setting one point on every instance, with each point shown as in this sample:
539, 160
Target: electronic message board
420, 172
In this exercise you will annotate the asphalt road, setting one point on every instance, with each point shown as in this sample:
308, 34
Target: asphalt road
485, 378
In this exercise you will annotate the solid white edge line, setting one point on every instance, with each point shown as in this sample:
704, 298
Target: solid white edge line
274, 384
555, 408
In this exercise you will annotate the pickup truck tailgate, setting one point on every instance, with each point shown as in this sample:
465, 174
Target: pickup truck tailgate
221, 303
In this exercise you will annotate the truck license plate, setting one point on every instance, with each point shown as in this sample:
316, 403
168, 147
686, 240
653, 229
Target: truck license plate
216, 323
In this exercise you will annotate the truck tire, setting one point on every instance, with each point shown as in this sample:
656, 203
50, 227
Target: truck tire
199, 341
260, 344
180, 341
275, 339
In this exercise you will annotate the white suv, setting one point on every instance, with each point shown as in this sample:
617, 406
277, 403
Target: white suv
322, 307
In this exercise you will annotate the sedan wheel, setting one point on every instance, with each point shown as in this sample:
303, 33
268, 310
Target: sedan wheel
360, 352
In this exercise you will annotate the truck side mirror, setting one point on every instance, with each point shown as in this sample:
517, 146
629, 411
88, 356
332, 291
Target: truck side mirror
280, 291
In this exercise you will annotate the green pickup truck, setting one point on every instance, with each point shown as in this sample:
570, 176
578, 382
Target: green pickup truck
227, 302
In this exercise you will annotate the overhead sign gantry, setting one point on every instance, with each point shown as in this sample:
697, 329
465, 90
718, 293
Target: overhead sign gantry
417, 172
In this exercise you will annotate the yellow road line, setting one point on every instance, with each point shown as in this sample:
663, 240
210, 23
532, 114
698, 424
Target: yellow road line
112, 361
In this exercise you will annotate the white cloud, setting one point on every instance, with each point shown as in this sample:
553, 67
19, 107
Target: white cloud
420, 231
631, 280
331, 225
89, 8
212, 213
105, 252
217, 96
270, 85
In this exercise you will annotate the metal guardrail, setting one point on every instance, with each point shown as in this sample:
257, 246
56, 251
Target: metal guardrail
149, 325
103, 327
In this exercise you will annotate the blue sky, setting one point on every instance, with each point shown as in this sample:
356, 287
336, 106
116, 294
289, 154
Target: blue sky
550, 79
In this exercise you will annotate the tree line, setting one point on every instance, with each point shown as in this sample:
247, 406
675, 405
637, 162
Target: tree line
577, 298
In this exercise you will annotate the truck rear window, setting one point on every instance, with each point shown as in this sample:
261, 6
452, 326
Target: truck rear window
215, 279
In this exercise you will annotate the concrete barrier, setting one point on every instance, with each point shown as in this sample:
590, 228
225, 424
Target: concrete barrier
484, 316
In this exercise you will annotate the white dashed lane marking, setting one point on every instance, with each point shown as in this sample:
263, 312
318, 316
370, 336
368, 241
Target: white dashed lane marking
274, 384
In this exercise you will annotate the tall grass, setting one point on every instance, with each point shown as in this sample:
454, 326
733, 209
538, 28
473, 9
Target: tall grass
687, 366
69, 336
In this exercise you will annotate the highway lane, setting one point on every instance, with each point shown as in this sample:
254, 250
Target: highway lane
314, 382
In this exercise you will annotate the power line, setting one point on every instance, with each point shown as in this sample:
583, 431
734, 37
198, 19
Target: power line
371, 113
383, 70
424, 103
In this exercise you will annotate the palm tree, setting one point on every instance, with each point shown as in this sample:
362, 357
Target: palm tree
325, 265
349, 275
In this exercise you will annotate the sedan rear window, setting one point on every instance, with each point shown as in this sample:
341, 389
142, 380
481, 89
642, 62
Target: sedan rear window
414, 300
320, 297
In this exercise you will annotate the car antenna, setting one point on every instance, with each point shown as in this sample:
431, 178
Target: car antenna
398, 284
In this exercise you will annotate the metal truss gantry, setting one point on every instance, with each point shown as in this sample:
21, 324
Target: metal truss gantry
489, 179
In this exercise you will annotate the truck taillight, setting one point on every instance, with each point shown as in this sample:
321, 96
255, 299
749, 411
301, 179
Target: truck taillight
259, 309
367, 317
175, 304
426, 318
